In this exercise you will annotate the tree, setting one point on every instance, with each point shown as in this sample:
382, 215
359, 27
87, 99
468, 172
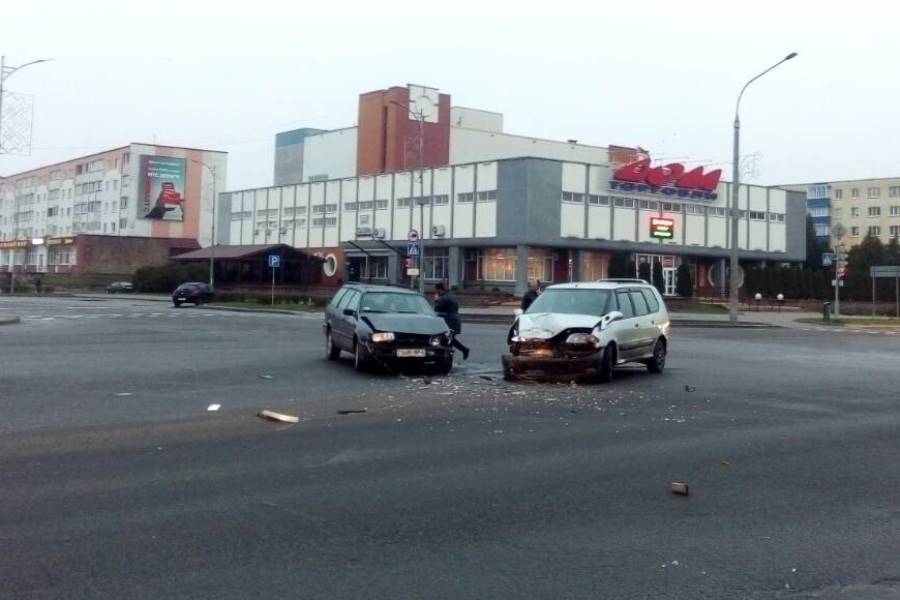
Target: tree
684, 286
644, 271
659, 282
868, 253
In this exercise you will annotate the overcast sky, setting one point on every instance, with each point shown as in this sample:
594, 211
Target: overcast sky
662, 75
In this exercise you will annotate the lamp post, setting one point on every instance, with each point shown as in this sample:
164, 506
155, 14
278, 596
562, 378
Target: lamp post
212, 241
735, 187
6, 71
420, 116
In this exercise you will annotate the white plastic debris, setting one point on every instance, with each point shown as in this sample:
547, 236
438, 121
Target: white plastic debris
274, 416
265, 376
124, 394
213, 407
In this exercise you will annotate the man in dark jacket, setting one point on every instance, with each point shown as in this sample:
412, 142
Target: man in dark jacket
447, 307
534, 290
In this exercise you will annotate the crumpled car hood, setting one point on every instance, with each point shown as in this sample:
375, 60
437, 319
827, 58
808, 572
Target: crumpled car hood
542, 326
406, 323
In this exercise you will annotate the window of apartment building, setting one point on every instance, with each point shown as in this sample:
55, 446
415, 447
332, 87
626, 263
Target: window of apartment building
671, 207
441, 199
875, 230
624, 202
569, 197
874, 211
854, 211
873, 192
895, 210
326, 221
350, 206
401, 203
491, 195
497, 264
381, 204
821, 229
460, 197
838, 213
123, 223
819, 211
854, 231
838, 194
895, 231
854, 192
95, 165
112, 227
817, 191
599, 200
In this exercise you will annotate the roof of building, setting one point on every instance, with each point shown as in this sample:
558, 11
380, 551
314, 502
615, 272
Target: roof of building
243, 252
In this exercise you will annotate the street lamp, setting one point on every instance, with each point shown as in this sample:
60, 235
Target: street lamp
212, 242
6, 71
419, 115
735, 187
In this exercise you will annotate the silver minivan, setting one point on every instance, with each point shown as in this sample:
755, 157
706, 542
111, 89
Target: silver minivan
588, 328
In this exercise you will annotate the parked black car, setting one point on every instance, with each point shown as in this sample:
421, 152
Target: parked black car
194, 292
386, 326
119, 287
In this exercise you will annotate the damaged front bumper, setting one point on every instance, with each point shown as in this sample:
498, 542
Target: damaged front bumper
586, 364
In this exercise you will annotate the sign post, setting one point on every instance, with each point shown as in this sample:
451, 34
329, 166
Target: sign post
414, 252
274, 264
838, 231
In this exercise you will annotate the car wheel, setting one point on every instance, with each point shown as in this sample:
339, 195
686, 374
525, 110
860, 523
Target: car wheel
607, 364
177, 303
360, 363
332, 351
658, 362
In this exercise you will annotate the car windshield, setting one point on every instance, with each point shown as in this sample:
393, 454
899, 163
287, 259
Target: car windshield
392, 302
571, 301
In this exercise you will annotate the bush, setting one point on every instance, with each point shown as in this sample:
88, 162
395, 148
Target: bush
164, 279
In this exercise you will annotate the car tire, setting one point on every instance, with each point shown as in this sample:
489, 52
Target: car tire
360, 363
331, 350
658, 363
606, 365
177, 303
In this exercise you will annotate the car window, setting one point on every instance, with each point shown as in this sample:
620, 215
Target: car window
345, 299
393, 302
353, 302
640, 305
337, 297
625, 306
571, 301
650, 297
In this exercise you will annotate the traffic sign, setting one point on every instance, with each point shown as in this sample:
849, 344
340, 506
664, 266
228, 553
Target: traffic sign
274, 261
412, 272
412, 249
413, 235
827, 259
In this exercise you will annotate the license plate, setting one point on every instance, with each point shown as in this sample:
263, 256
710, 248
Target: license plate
410, 353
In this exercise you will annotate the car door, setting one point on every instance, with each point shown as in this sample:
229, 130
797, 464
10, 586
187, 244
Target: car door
646, 324
332, 311
628, 334
343, 325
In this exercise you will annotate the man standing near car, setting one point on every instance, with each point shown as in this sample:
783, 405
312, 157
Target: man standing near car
534, 290
447, 307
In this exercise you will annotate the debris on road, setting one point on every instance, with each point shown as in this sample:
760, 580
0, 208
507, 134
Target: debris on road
264, 376
690, 388
125, 394
680, 488
213, 407
351, 411
274, 416
486, 377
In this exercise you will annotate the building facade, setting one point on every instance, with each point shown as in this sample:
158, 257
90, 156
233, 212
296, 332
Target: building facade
132, 192
862, 206
499, 223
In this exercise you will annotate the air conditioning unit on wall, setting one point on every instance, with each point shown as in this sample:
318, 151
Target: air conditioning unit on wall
379, 233
438, 231
363, 231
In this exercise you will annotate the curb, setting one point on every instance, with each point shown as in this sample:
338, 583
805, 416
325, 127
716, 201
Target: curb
9, 320
262, 311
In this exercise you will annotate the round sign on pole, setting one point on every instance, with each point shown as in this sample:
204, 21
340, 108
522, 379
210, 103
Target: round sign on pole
413, 235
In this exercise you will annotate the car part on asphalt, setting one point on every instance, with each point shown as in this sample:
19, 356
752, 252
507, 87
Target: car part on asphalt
275, 416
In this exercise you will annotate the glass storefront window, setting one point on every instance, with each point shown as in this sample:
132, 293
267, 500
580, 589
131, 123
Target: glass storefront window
594, 266
375, 267
497, 264
540, 265
434, 264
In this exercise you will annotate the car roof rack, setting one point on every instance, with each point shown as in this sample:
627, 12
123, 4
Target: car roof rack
624, 280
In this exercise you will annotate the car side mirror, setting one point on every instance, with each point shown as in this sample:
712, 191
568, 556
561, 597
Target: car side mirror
518, 312
610, 318
349, 312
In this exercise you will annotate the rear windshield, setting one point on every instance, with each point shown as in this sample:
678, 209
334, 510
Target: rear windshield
392, 302
572, 302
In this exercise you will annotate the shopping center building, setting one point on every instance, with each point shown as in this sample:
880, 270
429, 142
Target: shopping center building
494, 210
109, 212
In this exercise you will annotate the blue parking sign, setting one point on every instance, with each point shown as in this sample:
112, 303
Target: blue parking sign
274, 261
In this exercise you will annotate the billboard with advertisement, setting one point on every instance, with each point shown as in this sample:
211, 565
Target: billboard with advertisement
161, 187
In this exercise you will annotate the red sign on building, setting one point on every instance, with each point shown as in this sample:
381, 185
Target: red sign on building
669, 180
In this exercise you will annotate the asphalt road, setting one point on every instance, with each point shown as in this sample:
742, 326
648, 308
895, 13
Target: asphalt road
118, 483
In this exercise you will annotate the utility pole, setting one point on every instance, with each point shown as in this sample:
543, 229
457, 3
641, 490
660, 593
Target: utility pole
735, 189
5, 73
212, 242
838, 231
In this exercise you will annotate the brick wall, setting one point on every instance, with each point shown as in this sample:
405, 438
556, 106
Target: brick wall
124, 255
